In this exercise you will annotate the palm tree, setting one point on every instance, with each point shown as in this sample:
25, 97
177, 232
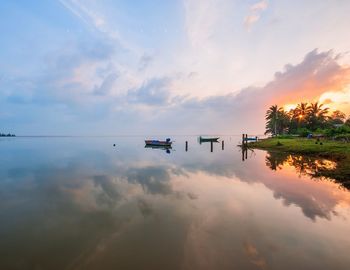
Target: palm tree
276, 120
271, 118
317, 115
302, 111
294, 120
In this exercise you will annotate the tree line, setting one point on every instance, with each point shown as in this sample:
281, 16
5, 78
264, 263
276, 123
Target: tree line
7, 135
306, 118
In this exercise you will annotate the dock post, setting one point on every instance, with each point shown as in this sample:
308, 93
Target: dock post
211, 146
246, 140
186, 146
223, 145
243, 142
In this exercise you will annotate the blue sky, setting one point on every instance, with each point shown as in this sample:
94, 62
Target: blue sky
183, 66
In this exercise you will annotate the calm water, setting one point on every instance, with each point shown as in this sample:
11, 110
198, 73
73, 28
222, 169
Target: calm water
80, 203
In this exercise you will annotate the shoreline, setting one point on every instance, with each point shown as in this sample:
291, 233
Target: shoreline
338, 152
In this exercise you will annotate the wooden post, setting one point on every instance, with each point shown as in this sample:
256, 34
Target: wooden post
246, 140
222, 145
186, 146
243, 140
211, 146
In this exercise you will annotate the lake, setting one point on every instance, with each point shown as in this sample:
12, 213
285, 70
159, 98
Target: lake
80, 203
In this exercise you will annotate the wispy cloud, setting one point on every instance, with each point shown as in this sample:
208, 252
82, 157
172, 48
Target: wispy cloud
96, 21
255, 13
89, 17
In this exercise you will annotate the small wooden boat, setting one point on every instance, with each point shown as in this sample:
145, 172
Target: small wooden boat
213, 139
251, 139
166, 143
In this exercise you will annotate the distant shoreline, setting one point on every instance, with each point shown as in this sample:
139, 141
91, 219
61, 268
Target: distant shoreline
7, 135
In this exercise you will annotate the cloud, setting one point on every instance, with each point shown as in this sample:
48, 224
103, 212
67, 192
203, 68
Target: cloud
145, 61
106, 85
89, 17
259, 6
255, 13
251, 19
316, 74
105, 91
88, 13
152, 92
209, 28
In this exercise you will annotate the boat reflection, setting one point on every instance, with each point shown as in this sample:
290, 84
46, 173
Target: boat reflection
160, 147
207, 140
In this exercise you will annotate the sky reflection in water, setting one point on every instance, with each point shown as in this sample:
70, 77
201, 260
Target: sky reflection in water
80, 203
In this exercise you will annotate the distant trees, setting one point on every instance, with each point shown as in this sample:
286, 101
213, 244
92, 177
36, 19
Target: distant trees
7, 135
347, 122
338, 117
304, 118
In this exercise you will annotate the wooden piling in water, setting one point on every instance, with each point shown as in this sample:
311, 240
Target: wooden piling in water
186, 147
211, 146
223, 145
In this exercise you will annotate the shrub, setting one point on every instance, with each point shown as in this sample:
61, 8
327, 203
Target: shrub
285, 136
303, 132
320, 131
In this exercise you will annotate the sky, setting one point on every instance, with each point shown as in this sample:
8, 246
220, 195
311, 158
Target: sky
119, 67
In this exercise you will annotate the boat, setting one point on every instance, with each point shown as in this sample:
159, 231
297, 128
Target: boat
166, 143
212, 139
251, 139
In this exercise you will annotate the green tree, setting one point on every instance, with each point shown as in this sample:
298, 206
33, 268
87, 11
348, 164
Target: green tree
347, 122
337, 117
277, 120
301, 113
317, 116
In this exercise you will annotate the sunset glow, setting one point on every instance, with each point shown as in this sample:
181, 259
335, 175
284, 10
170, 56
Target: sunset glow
289, 107
110, 67
174, 134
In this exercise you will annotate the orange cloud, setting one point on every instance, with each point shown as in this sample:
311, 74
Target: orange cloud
307, 81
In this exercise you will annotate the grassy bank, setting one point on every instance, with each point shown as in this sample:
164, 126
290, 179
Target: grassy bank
304, 146
325, 149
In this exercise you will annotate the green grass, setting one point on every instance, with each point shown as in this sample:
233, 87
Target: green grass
304, 146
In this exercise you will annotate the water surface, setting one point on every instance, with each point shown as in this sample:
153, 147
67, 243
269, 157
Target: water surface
80, 203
